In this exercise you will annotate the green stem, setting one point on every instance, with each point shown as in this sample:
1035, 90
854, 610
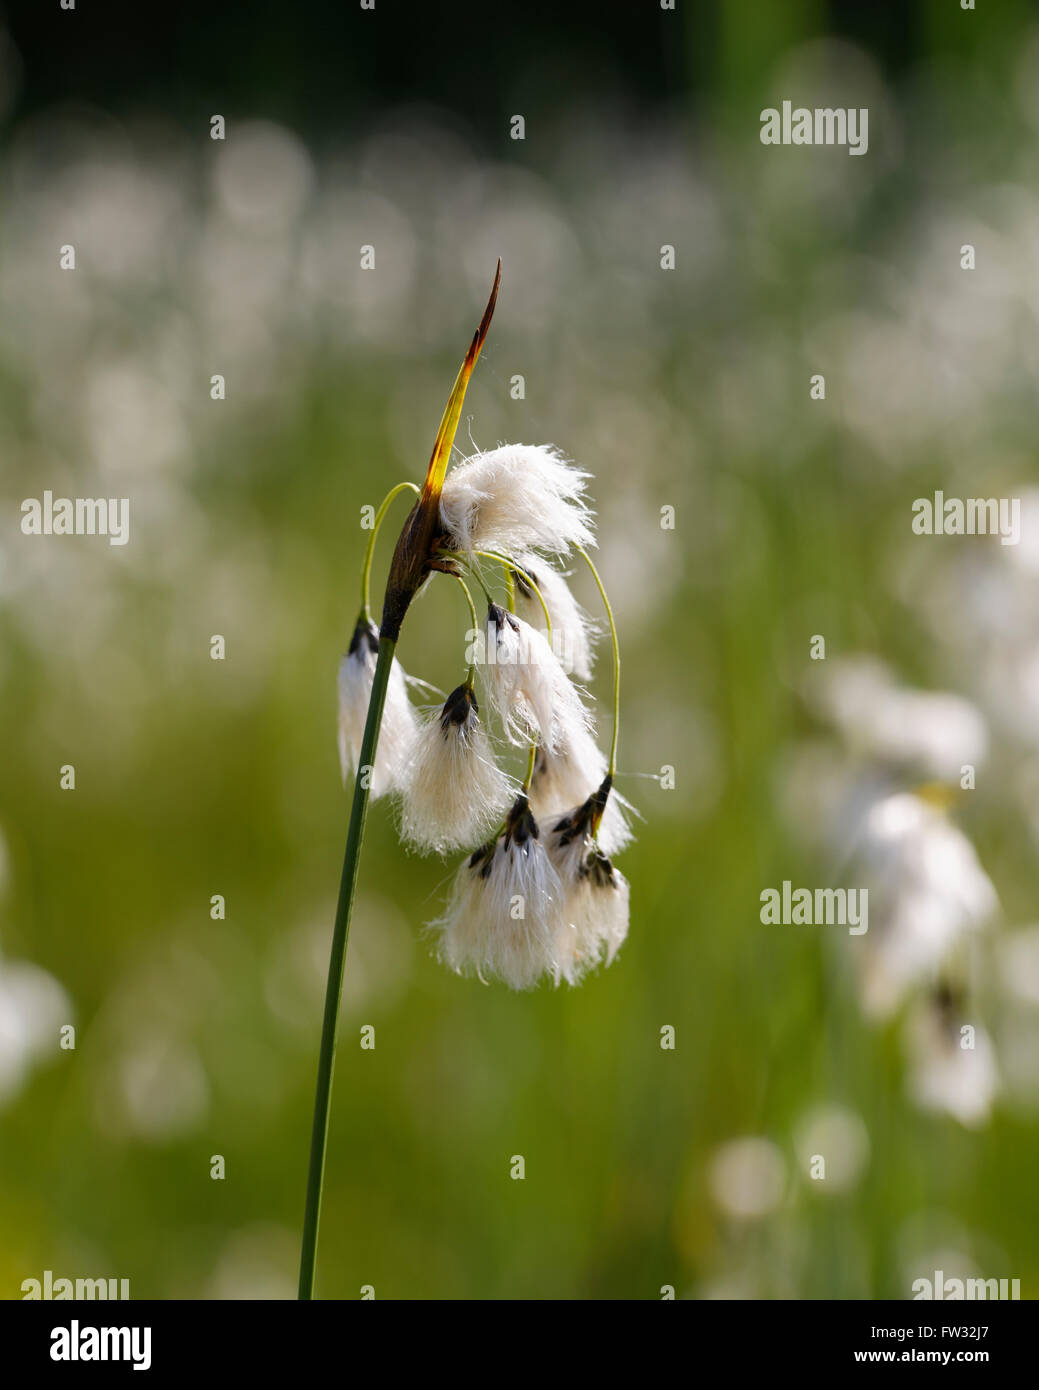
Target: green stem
366, 569
531, 757
340, 932
471, 673
616, 657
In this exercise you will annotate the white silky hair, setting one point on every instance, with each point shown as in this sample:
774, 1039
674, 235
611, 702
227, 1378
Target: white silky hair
453, 793
595, 913
593, 926
572, 629
399, 722
526, 685
480, 933
565, 777
515, 498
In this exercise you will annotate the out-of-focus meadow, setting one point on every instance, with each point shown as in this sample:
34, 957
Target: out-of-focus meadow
684, 389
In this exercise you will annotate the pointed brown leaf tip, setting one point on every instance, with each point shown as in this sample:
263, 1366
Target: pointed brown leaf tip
422, 533
488, 313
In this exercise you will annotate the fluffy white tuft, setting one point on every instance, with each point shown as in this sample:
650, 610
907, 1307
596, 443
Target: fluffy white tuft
930, 893
572, 630
567, 776
515, 498
454, 793
596, 899
399, 723
502, 918
526, 684
943, 1075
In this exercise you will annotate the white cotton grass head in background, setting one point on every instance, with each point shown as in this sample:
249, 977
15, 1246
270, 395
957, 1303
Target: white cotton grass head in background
399, 722
453, 792
526, 685
952, 1063
930, 732
516, 498
593, 921
928, 894
747, 1178
567, 776
838, 1136
33, 1006
572, 630
501, 919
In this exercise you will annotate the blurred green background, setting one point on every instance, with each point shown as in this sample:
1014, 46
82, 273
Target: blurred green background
686, 388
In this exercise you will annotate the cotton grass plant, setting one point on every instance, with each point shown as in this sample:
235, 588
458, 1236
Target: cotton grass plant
536, 896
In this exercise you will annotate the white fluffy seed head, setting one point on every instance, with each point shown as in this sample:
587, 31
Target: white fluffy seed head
454, 793
943, 1075
502, 917
399, 724
528, 688
928, 891
596, 898
565, 777
515, 498
572, 630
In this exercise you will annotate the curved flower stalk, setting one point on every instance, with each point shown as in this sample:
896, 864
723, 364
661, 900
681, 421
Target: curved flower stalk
537, 896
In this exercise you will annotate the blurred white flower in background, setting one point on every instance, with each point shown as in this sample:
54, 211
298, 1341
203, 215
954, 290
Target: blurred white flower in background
747, 1178
1018, 961
952, 1064
838, 1135
261, 1261
930, 899
162, 1089
931, 731
33, 1009
927, 892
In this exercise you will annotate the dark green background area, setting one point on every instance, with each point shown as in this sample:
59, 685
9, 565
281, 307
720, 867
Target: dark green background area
321, 65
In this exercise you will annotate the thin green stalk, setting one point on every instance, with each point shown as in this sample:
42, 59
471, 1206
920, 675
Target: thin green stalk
340, 933
471, 673
366, 568
531, 758
616, 657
